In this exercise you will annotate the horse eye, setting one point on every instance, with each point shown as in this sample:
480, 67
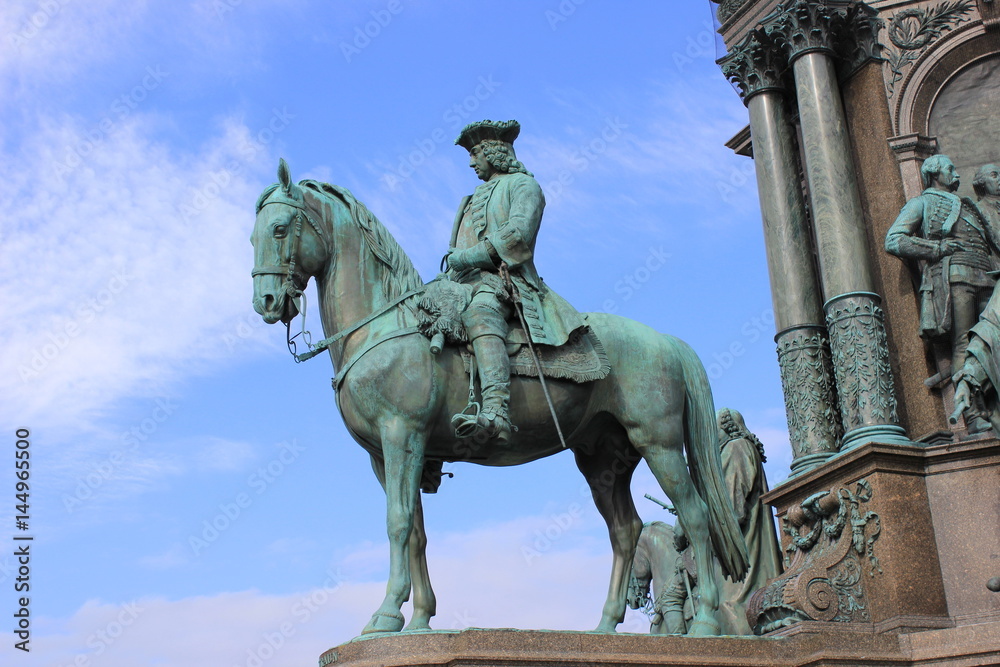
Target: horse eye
280, 231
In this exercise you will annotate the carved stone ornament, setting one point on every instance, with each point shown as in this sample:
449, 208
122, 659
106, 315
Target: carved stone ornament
727, 8
802, 26
865, 386
830, 557
755, 65
859, 40
912, 31
810, 395
842, 28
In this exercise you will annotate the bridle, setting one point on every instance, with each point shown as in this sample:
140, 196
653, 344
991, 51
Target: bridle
289, 269
293, 278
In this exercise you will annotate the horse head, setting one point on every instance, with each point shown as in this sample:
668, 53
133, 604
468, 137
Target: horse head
290, 246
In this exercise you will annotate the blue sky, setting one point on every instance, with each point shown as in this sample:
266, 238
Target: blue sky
135, 138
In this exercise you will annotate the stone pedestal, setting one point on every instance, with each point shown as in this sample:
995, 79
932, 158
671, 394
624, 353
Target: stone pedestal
816, 647
900, 537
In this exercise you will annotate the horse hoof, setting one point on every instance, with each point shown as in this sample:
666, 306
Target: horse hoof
418, 625
384, 622
704, 628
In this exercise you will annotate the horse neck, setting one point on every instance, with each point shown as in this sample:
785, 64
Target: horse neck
351, 288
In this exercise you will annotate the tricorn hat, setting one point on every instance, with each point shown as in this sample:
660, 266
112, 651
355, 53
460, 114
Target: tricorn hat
473, 133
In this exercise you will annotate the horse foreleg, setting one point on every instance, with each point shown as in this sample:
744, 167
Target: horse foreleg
424, 601
402, 453
609, 473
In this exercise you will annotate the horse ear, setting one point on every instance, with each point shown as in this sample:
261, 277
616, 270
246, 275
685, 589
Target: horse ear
284, 175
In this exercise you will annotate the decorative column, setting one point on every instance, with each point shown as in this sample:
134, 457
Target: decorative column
810, 32
804, 357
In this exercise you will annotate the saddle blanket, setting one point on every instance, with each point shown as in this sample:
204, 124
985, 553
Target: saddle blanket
581, 359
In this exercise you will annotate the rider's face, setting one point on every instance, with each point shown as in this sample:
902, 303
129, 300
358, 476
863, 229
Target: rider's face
478, 161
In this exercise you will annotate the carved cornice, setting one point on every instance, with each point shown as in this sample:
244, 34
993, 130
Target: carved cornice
913, 147
728, 7
755, 64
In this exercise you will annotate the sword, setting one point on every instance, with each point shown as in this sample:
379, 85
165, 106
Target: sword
505, 275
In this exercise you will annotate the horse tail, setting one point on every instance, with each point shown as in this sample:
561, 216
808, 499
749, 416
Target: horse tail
701, 437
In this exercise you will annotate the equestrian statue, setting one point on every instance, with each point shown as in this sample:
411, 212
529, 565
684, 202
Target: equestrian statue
610, 389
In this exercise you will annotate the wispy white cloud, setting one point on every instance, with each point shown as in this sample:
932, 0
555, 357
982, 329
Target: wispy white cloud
488, 577
51, 40
124, 272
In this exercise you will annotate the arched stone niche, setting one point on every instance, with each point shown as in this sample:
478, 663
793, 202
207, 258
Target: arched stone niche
952, 65
965, 117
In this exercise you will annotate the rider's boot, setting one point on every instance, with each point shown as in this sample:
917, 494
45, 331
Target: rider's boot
494, 376
487, 330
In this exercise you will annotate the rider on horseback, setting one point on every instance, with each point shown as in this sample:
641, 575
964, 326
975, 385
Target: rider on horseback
497, 226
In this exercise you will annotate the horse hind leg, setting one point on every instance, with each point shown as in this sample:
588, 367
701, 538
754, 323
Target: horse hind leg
663, 453
608, 468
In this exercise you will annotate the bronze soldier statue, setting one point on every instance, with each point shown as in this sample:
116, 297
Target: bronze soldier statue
986, 185
957, 248
496, 227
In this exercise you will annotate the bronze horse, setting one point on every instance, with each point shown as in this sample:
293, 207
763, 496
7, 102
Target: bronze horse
397, 399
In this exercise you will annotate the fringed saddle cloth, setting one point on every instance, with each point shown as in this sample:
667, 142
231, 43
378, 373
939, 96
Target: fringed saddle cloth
581, 359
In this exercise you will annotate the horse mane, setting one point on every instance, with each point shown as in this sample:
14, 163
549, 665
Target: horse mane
400, 275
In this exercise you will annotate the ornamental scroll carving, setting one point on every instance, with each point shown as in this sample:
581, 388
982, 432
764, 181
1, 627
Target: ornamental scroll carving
810, 394
829, 559
911, 32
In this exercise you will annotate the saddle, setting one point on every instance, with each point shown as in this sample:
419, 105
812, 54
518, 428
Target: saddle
581, 359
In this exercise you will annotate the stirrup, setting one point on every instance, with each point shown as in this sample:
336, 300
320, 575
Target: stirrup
466, 423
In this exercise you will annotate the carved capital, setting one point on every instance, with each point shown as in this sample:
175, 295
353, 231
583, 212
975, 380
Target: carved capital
845, 29
755, 64
914, 146
865, 384
803, 27
831, 544
810, 395
859, 40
